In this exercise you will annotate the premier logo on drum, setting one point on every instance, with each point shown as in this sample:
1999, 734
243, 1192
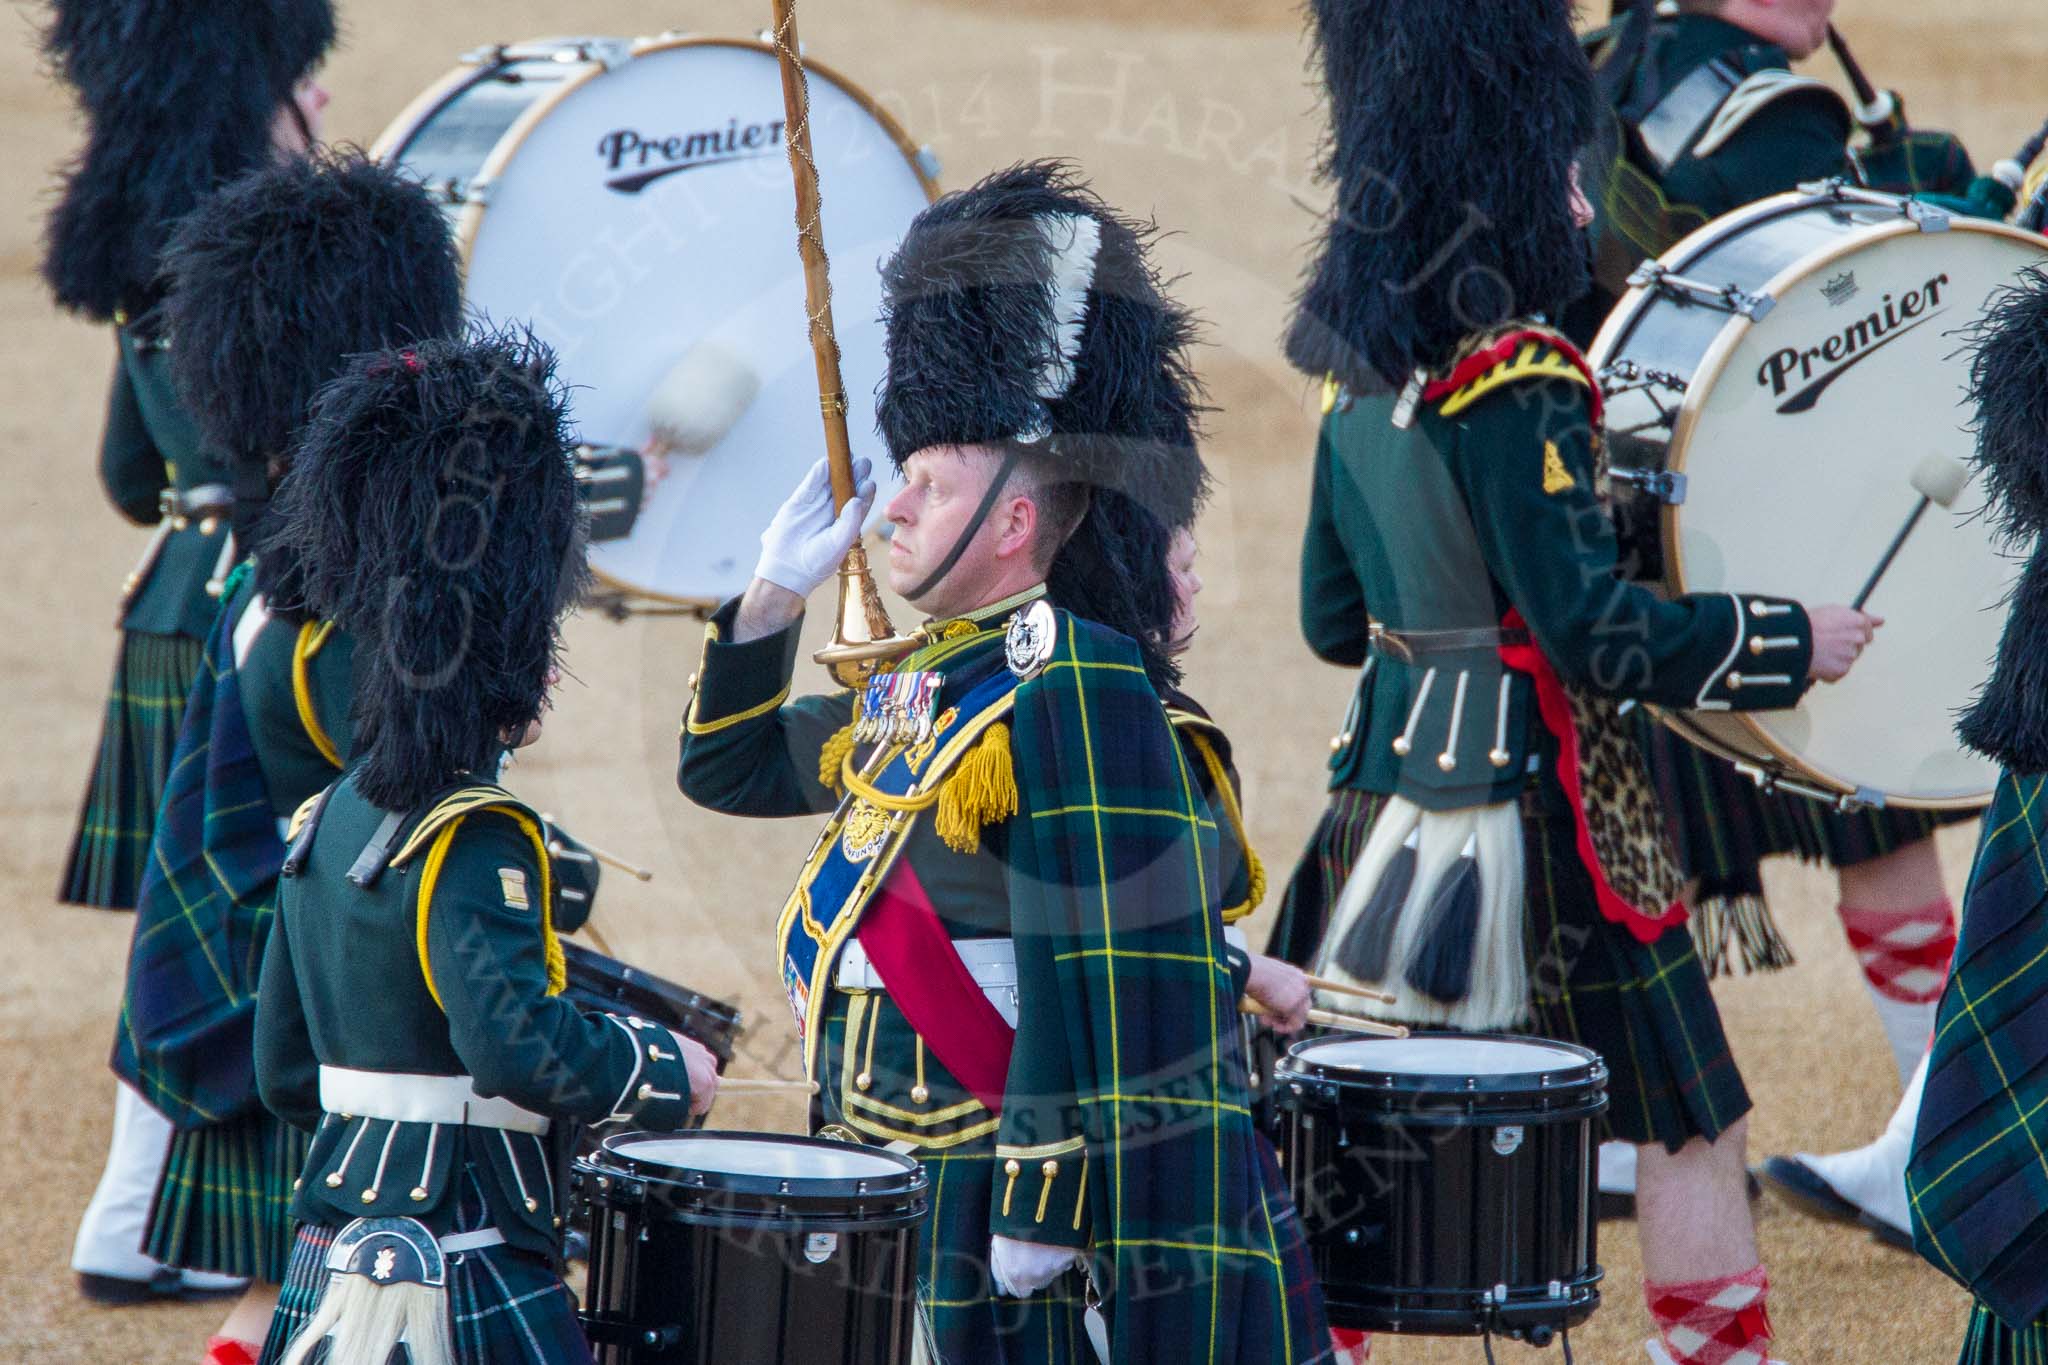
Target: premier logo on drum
1848, 347
681, 152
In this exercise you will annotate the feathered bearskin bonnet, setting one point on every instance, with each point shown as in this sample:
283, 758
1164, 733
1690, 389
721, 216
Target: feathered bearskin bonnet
1025, 315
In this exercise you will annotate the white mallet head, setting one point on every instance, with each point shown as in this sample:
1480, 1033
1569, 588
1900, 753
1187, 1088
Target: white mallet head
702, 398
1940, 479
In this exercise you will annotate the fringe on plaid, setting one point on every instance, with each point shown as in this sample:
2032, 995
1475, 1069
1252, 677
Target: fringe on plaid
145, 706
1737, 934
224, 1202
1991, 1342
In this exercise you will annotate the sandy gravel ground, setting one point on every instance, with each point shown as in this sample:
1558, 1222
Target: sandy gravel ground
1197, 111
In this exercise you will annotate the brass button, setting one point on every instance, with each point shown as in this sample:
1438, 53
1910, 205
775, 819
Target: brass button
1734, 682
1756, 644
180, 522
1013, 1166
369, 1196
297, 1182
1499, 758
419, 1194
919, 1094
532, 1204
645, 1091
334, 1181
1446, 760
1049, 1169
863, 1081
693, 682
1401, 745
1336, 744
558, 1222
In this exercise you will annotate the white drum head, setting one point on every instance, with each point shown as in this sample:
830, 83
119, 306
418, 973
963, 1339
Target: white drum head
1443, 1055
765, 1155
649, 209
1800, 439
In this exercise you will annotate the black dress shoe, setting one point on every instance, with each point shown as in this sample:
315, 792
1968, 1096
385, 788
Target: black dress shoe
168, 1285
1800, 1186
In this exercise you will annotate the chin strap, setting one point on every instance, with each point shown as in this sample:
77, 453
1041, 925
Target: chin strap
967, 533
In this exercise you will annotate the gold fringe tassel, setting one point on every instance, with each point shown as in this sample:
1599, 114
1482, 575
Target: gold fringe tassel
981, 790
837, 750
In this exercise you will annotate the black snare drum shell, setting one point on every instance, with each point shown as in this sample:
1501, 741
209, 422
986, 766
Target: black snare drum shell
688, 1274
1446, 1205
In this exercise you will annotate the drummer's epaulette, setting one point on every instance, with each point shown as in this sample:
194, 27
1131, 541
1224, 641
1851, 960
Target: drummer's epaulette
1518, 356
452, 807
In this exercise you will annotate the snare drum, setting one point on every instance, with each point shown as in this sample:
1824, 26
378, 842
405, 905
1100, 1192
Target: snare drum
1445, 1181
603, 983
631, 200
750, 1249
1775, 382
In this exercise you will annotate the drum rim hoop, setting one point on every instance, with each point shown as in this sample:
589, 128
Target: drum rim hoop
1629, 312
697, 1002
908, 1179
1591, 1070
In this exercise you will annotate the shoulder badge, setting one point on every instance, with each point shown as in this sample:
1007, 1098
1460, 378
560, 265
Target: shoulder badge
512, 883
1556, 478
1028, 644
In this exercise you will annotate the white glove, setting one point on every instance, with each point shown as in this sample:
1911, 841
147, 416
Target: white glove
1021, 1269
802, 547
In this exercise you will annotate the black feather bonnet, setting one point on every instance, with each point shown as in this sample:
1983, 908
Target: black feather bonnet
273, 280
2008, 721
179, 97
1024, 312
1453, 130
433, 507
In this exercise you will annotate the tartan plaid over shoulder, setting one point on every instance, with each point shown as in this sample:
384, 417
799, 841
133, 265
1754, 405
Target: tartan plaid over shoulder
1128, 1054
1978, 1177
203, 910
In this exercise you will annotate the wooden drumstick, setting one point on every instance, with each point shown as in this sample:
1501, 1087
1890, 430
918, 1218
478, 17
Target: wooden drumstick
764, 1085
1323, 983
595, 935
1938, 478
558, 849
1346, 1023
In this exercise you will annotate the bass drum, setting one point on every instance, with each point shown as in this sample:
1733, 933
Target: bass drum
632, 202
1780, 383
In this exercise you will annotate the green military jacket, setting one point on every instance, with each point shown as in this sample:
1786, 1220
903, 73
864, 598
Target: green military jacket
748, 748
297, 682
1487, 504
1125, 1124
443, 965
151, 445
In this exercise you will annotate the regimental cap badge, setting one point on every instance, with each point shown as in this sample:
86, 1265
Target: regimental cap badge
1028, 644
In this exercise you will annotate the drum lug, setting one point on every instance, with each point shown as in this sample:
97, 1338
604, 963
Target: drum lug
1725, 297
1661, 484
610, 53
1926, 217
927, 162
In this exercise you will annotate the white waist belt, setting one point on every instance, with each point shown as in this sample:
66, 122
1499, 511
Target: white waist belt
992, 962
403, 1097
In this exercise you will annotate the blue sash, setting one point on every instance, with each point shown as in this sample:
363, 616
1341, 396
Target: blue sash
859, 845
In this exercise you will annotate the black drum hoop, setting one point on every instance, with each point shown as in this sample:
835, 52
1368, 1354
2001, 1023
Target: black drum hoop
761, 1203
1448, 1099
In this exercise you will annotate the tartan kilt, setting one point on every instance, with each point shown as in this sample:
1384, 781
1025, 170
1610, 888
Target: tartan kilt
967, 1319
145, 706
1724, 826
1645, 1008
224, 1201
1991, 1342
506, 1307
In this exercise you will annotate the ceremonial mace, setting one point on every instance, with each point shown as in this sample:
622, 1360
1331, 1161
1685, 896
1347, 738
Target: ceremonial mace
861, 635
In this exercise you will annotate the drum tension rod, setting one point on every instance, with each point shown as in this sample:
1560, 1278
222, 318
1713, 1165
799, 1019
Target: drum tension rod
1679, 288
